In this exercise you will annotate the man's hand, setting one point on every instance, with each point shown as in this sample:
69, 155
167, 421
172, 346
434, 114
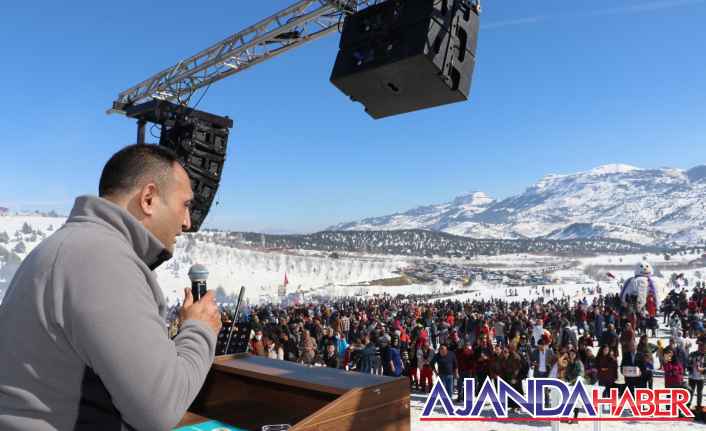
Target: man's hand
205, 310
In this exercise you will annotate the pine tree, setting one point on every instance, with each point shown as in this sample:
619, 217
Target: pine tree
20, 247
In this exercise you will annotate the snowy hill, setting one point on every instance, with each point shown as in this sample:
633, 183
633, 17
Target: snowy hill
262, 271
646, 206
230, 265
19, 234
433, 217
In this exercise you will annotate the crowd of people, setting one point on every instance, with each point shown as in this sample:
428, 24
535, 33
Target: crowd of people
421, 337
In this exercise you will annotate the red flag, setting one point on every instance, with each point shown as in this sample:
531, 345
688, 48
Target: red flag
610, 275
286, 282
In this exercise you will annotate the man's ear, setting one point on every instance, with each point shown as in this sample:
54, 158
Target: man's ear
148, 196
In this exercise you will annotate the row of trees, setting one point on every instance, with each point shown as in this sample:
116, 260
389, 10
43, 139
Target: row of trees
421, 243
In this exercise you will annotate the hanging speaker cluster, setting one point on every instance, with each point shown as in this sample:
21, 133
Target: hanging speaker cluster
200, 141
404, 55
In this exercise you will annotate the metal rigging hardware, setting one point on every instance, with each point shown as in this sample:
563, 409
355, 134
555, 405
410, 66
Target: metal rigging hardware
304, 21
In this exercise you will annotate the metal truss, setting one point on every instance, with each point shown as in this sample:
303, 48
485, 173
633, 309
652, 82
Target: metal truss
304, 21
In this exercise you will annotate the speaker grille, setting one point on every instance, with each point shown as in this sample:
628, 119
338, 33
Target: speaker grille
201, 148
401, 56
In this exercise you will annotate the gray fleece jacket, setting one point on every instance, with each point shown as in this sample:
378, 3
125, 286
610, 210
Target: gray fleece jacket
83, 341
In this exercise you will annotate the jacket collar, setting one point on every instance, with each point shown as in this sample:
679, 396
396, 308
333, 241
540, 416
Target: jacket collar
98, 210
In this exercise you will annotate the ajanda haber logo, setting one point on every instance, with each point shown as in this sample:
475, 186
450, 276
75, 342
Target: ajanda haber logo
554, 400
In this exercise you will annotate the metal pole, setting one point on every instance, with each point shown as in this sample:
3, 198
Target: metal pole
141, 131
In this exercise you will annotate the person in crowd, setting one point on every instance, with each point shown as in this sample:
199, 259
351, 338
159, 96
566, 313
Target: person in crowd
391, 359
329, 337
610, 338
598, 323
567, 336
673, 370
272, 348
573, 373
351, 358
341, 344
537, 331
425, 355
410, 364
257, 346
559, 371
696, 373
585, 341
331, 357
678, 352
308, 348
590, 367
509, 369
627, 339
524, 349
289, 347
542, 360
466, 368
444, 364
632, 367
607, 367
367, 362
648, 360
499, 328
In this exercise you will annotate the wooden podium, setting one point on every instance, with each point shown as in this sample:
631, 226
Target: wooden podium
249, 391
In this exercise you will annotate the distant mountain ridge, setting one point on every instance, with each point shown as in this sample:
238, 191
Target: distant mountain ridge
664, 206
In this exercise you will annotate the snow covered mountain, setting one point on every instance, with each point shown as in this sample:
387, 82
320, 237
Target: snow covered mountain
431, 217
646, 206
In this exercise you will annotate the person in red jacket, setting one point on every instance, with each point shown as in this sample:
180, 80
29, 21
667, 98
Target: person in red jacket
450, 319
422, 337
466, 367
692, 306
673, 371
651, 306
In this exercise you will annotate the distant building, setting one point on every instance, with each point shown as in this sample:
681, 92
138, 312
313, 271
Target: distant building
4, 211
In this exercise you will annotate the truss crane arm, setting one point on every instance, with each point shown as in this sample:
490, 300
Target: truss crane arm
304, 21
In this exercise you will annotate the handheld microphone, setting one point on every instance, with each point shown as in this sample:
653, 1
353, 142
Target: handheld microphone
198, 275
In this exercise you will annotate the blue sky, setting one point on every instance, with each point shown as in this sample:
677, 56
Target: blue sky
560, 86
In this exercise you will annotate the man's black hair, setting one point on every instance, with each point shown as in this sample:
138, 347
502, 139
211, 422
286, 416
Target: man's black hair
129, 166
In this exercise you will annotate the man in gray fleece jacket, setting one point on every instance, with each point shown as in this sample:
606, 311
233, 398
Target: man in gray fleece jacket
83, 340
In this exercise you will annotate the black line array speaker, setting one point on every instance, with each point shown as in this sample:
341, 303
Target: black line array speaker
200, 142
404, 55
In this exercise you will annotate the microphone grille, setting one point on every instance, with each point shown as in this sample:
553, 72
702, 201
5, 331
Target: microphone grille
198, 272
